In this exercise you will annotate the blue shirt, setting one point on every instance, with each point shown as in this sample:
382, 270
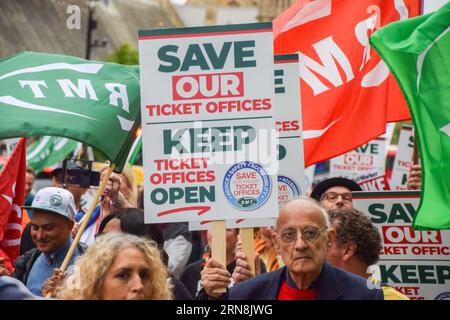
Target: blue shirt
13, 289
42, 268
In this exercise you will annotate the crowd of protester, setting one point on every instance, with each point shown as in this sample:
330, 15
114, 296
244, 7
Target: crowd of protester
319, 248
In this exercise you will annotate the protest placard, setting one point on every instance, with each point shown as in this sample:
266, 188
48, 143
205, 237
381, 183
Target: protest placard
403, 159
309, 175
233, 224
208, 123
366, 165
417, 263
291, 173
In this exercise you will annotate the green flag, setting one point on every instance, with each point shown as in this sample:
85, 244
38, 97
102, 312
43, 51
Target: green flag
48, 151
418, 53
93, 102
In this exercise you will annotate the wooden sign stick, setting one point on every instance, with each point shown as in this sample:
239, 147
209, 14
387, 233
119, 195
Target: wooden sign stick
248, 246
219, 245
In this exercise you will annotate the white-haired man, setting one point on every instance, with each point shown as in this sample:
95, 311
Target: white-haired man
302, 238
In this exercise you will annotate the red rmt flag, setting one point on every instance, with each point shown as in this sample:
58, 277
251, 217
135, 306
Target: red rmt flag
347, 92
12, 194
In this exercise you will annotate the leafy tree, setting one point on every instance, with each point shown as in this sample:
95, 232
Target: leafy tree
125, 55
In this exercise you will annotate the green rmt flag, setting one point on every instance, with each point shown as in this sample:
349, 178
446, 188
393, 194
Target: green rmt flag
418, 53
47, 151
92, 102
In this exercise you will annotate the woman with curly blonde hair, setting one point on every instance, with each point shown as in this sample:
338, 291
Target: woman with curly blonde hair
117, 266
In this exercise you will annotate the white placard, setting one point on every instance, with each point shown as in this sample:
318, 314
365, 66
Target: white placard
291, 175
417, 263
233, 224
366, 165
209, 140
390, 127
309, 174
403, 159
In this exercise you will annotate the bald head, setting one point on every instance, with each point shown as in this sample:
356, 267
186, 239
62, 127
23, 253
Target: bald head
302, 237
303, 205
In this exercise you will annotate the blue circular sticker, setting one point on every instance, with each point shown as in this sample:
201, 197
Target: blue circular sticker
247, 185
443, 296
287, 190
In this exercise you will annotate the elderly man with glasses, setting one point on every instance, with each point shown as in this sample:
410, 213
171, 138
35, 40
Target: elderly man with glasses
335, 193
302, 238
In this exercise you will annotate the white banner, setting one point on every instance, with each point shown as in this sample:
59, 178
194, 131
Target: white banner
209, 139
416, 263
10, 145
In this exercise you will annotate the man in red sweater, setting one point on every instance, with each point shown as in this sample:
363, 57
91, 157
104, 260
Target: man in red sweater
303, 236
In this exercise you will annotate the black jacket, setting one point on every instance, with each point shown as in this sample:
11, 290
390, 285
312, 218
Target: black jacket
190, 276
26, 242
179, 291
24, 263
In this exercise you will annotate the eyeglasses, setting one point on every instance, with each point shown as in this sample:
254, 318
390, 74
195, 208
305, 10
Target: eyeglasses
308, 234
333, 196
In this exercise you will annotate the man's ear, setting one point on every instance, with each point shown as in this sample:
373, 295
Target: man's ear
349, 251
331, 236
70, 224
275, 241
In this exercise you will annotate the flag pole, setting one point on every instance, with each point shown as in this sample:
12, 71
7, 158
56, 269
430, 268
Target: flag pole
87, 217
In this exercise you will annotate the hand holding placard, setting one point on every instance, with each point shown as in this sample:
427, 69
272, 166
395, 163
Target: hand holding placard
215, 278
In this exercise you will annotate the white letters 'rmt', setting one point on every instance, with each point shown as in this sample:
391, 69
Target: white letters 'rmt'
328, 51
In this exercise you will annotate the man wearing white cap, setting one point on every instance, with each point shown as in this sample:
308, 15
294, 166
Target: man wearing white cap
51, 226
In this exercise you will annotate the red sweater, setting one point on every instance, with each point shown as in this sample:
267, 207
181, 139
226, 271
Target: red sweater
288, 293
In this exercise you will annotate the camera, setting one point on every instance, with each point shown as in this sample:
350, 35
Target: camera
79, 172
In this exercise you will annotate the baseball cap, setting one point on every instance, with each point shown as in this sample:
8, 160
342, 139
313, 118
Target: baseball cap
326, 184
55, 200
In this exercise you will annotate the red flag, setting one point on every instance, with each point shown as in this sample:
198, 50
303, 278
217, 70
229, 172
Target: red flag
347, 92
12, 194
